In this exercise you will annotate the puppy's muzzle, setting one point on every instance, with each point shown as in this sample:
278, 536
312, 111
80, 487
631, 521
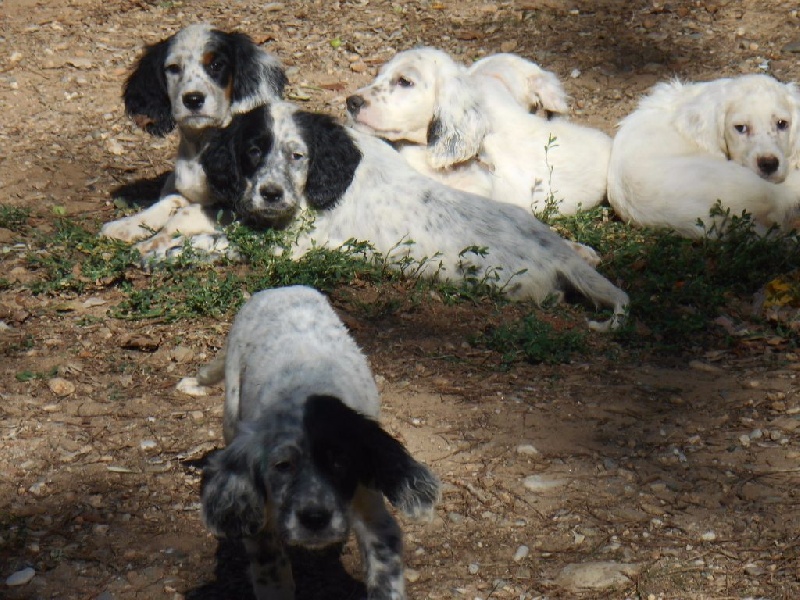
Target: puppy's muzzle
355, 103
271, 194
768, 165
193, 100
314, 519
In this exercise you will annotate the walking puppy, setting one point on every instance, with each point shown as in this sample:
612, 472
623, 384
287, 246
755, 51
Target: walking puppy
276, 163
305, 457
195, 80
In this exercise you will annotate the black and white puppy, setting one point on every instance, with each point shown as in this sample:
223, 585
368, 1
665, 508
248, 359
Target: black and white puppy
276, 162
305, 457
195, 80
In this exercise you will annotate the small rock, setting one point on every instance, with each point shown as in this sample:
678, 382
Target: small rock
792, 47
473, 568
541, 483
61, 387
521, 553
147, 444
708, 536
412, 575
698, 365
38, 488
527, 450
597, 575
20, 577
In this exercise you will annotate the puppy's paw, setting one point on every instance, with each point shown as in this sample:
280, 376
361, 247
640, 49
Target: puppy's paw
126, 229
191, 387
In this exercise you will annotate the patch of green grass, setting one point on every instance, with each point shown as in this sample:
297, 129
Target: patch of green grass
677, 286
72, 258
28, 375
535, 341
14, 218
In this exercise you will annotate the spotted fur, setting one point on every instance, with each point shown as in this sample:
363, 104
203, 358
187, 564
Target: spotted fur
306, 459
195, 80
277, 163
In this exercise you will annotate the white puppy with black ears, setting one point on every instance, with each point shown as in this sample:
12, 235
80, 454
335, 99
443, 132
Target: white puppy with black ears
472, 129
195, 81
306, 458
688, 146
277, 165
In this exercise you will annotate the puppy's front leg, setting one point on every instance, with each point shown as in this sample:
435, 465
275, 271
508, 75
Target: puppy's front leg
381, 543
270, 569
142, 224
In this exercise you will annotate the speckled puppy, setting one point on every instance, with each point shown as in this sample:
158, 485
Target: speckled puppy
305, 457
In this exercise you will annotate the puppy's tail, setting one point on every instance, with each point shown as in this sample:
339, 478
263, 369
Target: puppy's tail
213, 372
583, 278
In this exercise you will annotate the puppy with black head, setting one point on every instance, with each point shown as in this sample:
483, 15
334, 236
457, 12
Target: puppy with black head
277, 163
306, 459
195, 81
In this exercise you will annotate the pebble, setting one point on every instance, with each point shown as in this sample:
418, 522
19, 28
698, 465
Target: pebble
20, 577
61, 387
521, 553
540, 483
596, 575
473, 568
147, 444
527, 449
708, 536
412, 575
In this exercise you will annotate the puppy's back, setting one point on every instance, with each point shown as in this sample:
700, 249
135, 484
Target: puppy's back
289, 343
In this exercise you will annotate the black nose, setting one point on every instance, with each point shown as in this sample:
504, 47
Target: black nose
354, 104
271, 193
768, 164
193, 100
314, 519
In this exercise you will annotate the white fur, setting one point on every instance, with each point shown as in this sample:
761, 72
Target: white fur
477, 133
689, 145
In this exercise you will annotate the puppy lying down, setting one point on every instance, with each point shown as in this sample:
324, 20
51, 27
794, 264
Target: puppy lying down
305, 457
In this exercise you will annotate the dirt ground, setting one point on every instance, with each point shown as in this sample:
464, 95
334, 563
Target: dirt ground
672, 477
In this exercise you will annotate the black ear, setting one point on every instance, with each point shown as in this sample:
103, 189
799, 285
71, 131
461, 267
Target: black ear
379, 460
145, 91
233, 495
258, 76
333, 158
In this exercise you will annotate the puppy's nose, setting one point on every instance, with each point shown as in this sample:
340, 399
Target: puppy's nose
314, 518
271, 193
193, 100
768, 164
354, 103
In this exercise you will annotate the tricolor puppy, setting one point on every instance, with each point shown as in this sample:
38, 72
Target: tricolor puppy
195, 81
276, 163
687, 146
472, 129
306, 458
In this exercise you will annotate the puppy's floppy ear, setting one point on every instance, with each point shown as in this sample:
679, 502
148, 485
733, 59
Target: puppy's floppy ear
145, 91
379, 460
701, 118
232, 493
794, 95
546, 91
458, 125
333, 158
257, 76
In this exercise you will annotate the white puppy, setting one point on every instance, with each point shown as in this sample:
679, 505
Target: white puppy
689, 145
471, 129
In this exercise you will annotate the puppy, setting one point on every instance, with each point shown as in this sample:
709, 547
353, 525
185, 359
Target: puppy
472, 129
276, 163
305, 456
690, 145
195, 80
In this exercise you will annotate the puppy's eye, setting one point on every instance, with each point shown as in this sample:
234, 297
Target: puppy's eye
283, 466
295, 156
404, 83
173, 69
254, 154
782, 125
741, 129
217, 65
